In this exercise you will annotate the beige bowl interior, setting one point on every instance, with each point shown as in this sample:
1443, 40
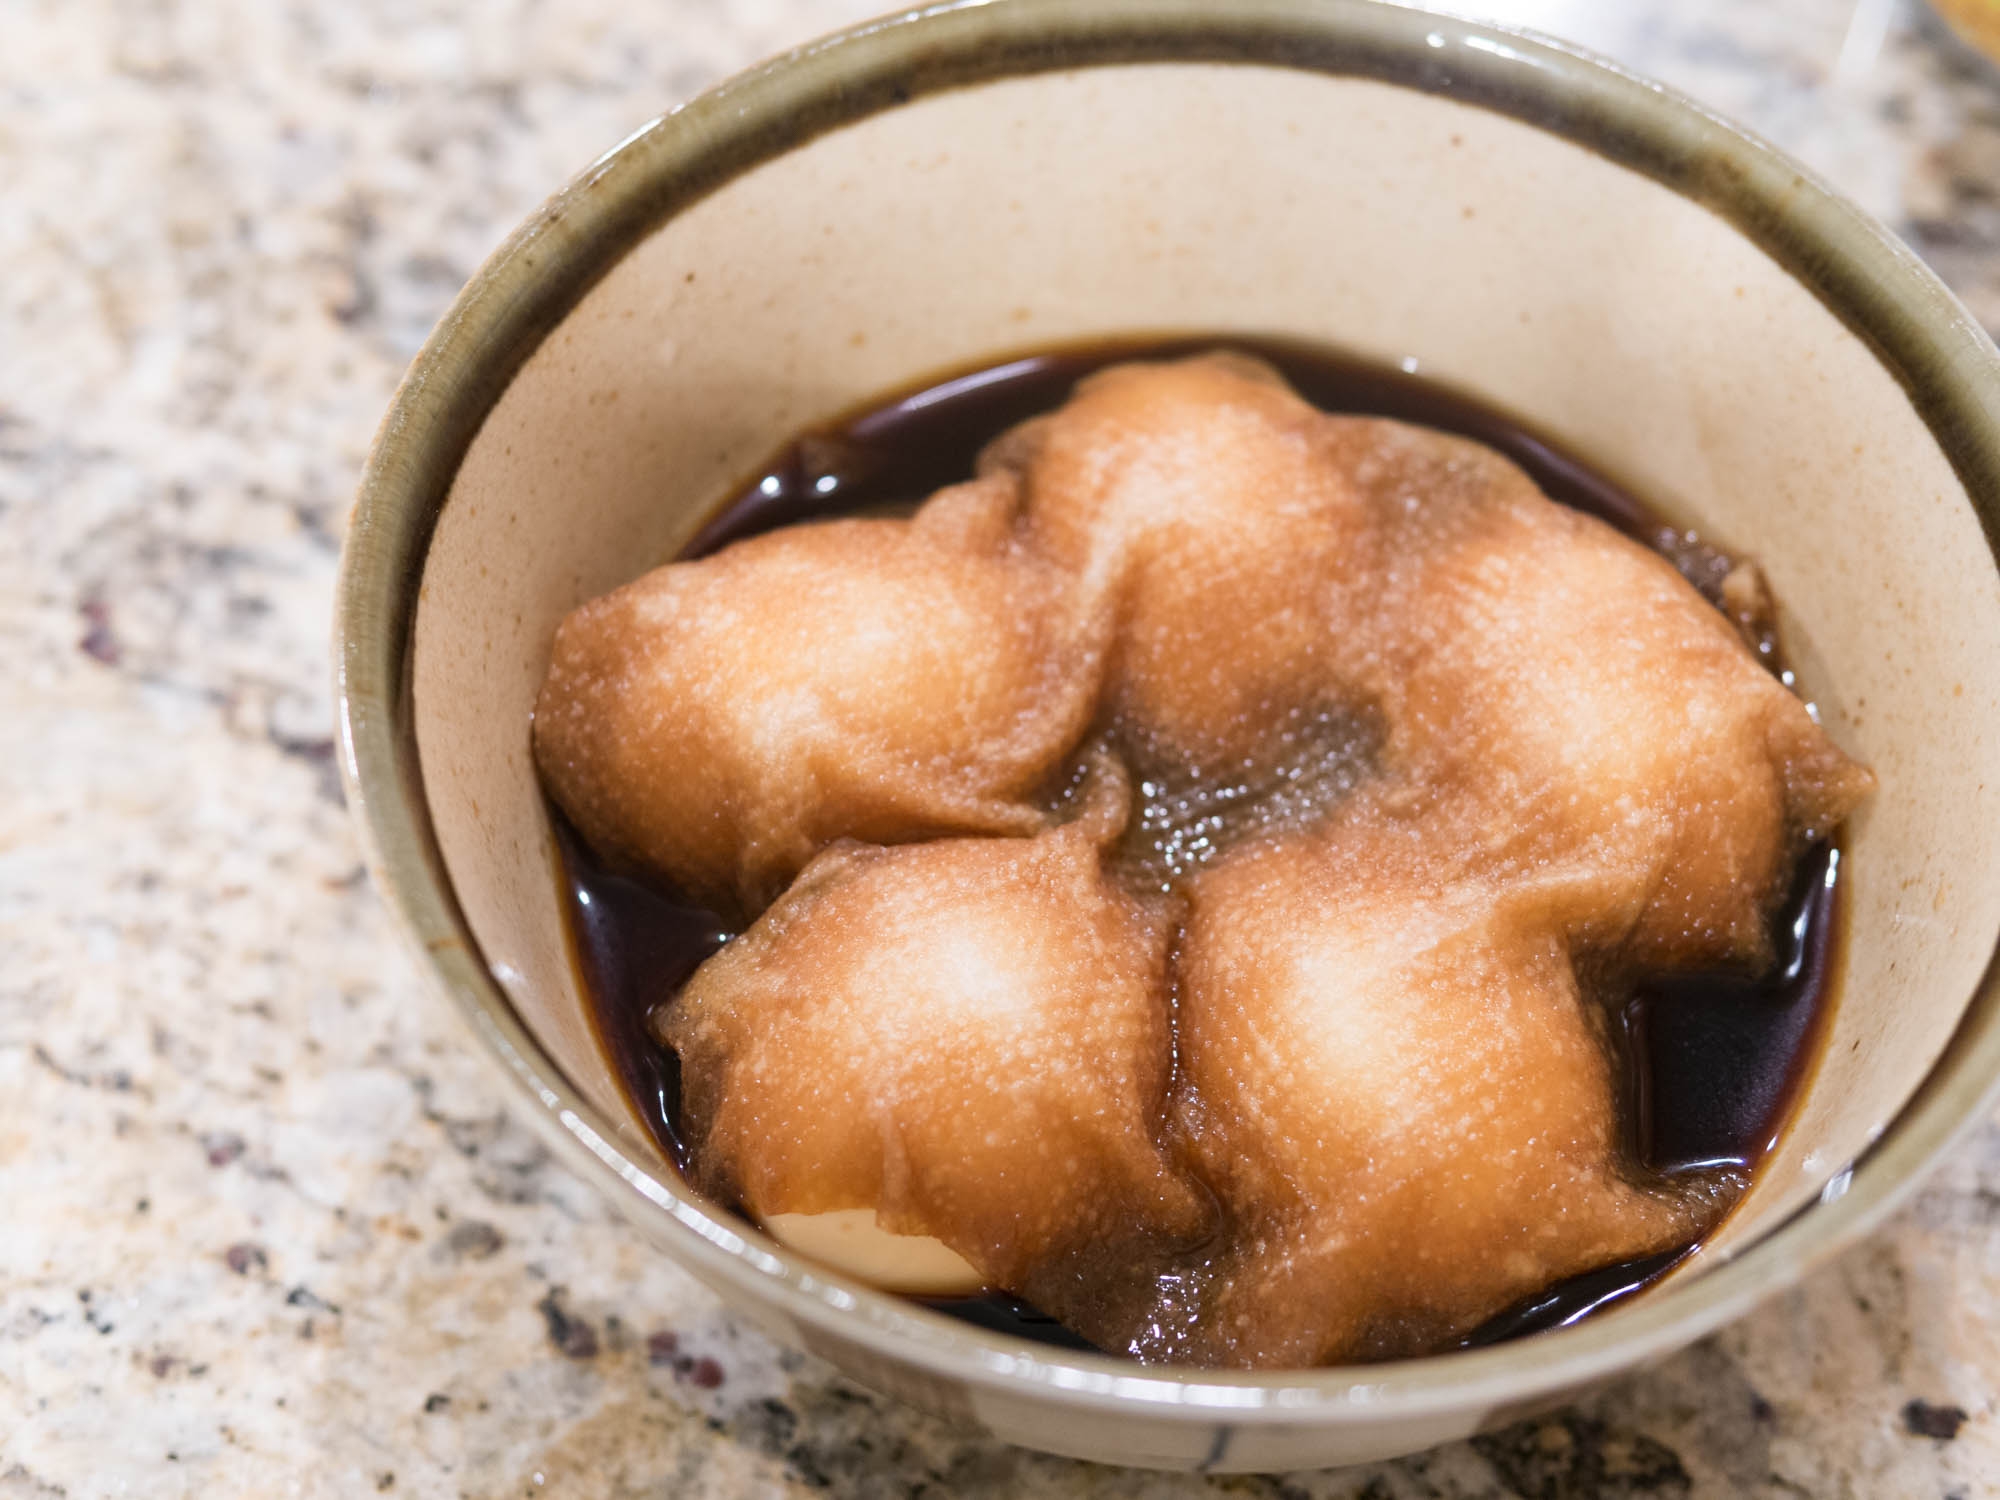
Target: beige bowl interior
1634, 326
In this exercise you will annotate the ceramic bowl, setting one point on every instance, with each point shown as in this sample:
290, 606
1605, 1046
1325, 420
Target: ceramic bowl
1669, 298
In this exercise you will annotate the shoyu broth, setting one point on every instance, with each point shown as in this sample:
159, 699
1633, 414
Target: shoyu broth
1710, 1063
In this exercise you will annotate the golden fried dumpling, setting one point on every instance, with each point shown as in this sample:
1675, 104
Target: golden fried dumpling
719, 722
1392, 1084
1194, 503
1568, 699
969, 1038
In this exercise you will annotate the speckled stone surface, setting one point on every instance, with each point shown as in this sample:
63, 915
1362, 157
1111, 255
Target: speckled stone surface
266, 1225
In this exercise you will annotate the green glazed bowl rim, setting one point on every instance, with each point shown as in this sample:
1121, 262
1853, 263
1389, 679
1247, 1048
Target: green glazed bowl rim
1858, 269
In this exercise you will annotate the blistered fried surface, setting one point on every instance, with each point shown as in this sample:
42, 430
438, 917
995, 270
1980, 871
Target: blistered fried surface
1390, 1080
969, 1036
1556, 691
1195, 505
719, 722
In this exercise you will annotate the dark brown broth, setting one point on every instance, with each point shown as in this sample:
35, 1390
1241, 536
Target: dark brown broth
1713, 1061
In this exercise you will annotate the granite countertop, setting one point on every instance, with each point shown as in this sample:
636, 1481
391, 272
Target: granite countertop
266, 1224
